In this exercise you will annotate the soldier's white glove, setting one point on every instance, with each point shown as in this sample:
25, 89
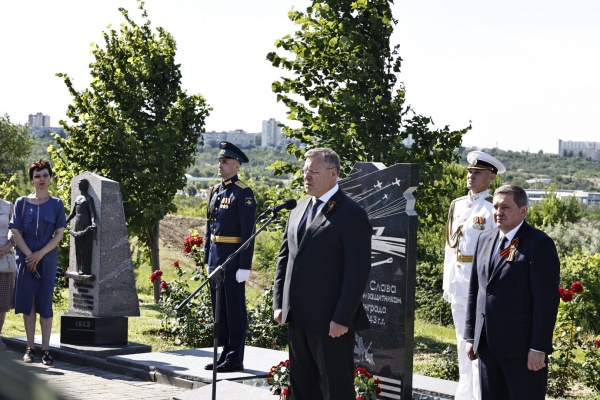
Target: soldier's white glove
242, 275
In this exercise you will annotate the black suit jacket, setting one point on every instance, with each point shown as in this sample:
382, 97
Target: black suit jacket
322, 279
517, 304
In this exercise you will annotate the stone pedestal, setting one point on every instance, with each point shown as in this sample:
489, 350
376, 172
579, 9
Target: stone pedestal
85, 330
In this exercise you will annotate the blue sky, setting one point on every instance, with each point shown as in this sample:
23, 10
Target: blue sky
526, 74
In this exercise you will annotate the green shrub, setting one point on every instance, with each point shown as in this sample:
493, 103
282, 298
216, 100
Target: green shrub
573, 236
193, 324
430, 306
444, 367
571, 341
266, 250
263, 331
585, 268
591, 366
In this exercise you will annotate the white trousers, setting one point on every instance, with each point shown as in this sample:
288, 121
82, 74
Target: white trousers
468, 382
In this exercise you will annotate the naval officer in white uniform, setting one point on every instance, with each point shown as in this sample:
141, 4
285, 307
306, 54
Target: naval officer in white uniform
468, 217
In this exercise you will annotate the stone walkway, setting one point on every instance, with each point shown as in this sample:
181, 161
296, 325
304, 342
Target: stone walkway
73, 382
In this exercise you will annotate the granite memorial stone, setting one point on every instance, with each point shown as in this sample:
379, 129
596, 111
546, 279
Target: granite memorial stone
386, 350
102, 294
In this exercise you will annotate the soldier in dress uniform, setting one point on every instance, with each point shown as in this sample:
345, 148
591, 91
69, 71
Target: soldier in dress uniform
468, 217
230, 223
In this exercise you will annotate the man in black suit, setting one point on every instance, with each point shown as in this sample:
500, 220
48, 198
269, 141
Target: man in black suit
513, 302
322, 271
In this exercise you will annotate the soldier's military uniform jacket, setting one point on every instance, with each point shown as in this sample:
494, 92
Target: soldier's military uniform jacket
230, 222
468, 217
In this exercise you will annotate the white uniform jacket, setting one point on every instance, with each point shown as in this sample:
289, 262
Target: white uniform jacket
468, 217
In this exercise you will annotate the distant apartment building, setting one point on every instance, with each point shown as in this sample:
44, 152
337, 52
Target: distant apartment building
569, 148
585, 198
39, 126
239, 137
38, 120
271, 134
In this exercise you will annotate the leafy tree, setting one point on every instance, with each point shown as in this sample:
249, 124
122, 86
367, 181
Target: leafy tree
342, 87
553, 210
134, 125
15, 145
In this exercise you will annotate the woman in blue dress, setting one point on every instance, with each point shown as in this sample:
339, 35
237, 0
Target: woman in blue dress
37, 225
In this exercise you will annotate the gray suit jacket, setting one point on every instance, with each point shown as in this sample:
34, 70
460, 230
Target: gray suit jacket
323, 278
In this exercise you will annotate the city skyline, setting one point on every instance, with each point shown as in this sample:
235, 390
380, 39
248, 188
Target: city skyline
524, 74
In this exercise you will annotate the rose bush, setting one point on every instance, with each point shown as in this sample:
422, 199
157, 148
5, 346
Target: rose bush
366, 385
193, 324
571, 339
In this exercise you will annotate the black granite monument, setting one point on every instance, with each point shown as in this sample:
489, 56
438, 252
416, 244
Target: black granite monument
386, 350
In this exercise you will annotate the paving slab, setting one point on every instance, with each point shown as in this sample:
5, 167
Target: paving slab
67, 381
227, 390
189, 364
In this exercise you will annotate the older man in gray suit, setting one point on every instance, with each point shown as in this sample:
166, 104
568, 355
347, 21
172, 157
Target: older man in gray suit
322, 271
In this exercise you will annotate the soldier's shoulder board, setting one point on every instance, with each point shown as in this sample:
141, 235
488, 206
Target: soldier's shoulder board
241, 184
490, 199
459, 199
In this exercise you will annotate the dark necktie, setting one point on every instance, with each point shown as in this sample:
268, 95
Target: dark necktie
310, 216
496, 258
313, 211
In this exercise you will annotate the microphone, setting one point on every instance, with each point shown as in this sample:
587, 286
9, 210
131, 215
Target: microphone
288, 204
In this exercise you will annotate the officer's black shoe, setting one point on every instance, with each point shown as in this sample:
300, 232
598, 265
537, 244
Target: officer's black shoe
229, 366
209, 367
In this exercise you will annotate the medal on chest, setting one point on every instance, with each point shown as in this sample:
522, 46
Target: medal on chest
479, 223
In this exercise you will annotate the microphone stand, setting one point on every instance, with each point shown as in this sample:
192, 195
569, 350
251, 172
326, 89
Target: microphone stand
217, 278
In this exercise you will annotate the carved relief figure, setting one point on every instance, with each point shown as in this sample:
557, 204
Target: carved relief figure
85, 228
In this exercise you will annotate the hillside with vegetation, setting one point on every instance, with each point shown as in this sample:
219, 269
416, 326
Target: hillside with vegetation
569, 173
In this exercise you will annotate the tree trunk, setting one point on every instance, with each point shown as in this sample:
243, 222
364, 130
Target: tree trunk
152, 233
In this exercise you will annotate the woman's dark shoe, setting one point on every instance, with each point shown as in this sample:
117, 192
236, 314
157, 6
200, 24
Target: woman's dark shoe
47, 358
28, 357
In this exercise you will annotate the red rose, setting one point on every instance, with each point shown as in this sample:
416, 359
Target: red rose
359, 398
176, 264
187, 244
285, 391
560, 289
597, 342
163, 284
155, 275
577, 287
566, 296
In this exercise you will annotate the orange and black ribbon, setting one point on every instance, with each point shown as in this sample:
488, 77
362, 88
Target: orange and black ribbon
509, 252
